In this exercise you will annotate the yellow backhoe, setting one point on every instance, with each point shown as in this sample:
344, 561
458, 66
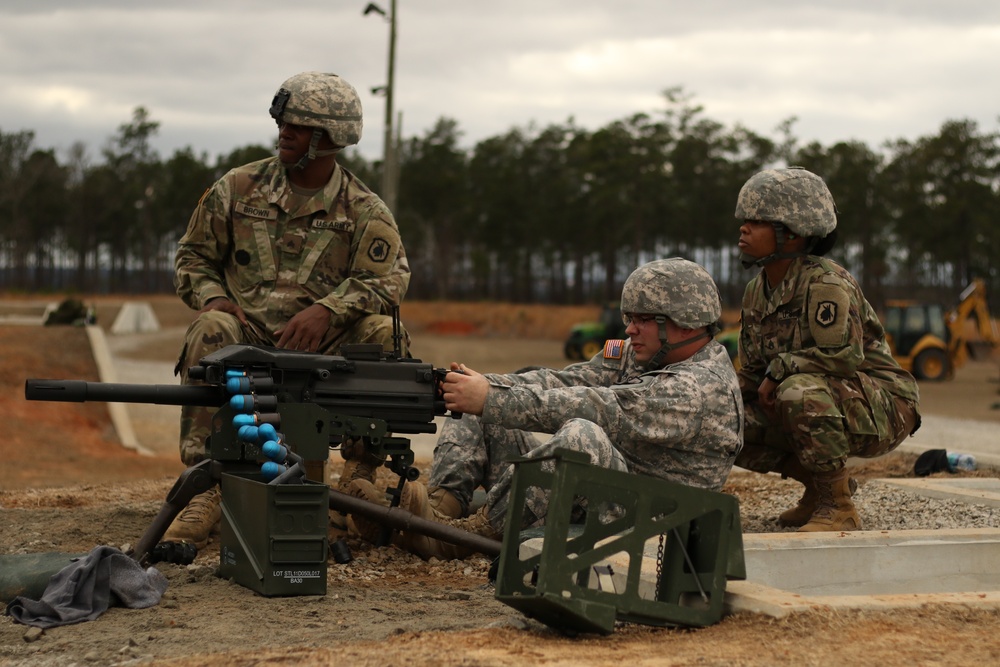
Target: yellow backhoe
932, 343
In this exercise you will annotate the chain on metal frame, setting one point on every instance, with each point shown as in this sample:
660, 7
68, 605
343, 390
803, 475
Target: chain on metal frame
659, 564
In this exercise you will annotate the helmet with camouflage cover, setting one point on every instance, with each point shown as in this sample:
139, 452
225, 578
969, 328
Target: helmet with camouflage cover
320, 100
675, 287
794, 197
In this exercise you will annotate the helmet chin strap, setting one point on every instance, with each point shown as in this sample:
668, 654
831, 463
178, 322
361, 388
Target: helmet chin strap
780, 238
314, 150
665, 348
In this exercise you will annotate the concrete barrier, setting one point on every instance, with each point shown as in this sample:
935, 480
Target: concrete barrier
135, 317
106, 371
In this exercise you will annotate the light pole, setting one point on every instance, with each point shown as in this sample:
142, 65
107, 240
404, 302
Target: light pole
388, 148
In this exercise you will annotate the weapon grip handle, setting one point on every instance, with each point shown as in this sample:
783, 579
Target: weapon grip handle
439, 375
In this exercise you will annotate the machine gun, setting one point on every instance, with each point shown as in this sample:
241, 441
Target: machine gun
269, 397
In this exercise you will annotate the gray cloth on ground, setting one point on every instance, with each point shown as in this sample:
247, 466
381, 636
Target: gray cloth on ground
84, 589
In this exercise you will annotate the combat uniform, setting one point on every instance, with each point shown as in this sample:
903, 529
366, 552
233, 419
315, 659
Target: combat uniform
840, 393
681, 423
273, 252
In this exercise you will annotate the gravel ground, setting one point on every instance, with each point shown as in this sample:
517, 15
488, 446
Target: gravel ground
881, 506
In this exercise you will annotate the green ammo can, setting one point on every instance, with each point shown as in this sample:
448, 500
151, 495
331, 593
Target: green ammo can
274, 536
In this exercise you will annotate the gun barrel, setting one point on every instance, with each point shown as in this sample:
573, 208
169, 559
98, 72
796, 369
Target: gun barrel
401, 519
79, 391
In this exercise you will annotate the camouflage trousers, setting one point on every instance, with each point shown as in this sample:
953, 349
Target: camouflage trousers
214, 330
822, 420
470, 454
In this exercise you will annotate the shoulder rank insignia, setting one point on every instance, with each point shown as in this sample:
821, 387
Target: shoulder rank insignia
613, 349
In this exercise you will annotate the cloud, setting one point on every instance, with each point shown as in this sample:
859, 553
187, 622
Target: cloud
207, 71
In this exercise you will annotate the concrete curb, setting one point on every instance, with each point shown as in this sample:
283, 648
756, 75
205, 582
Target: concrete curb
861, 570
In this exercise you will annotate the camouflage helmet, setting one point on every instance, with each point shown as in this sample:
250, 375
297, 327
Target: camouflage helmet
795, 197
317, 99
675, 287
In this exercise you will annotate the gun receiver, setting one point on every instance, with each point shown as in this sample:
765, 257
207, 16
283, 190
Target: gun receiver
316, 401
401, 392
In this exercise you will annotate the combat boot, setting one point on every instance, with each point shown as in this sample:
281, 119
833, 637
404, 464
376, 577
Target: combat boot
430, 547
806, 507
196, 522
415, 499
359, 464
363, 468
366, 529
834, 507
803, 511
444, 502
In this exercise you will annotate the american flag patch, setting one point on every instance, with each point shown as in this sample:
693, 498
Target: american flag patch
613, 349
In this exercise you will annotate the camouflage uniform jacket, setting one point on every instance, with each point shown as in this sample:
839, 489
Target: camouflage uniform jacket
816, 321
274, 252
683, 422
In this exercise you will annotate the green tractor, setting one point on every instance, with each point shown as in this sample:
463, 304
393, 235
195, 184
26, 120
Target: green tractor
587, 338
730, 339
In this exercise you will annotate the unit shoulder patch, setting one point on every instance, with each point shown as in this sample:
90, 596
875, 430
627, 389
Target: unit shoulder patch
829, 307
379, 249
826, 313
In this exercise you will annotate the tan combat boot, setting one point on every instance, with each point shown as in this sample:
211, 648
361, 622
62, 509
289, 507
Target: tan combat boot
358, 464
198, 520
444, 502
834, 507
803, 511
365, 528
806, 507
415, 499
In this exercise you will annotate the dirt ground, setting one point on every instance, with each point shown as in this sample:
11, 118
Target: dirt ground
67, 486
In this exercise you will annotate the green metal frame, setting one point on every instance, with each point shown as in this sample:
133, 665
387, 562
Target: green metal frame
579, 582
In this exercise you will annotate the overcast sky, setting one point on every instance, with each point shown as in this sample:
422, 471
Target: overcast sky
207, 69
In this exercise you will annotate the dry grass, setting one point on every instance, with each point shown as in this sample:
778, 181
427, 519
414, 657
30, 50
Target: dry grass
477, 318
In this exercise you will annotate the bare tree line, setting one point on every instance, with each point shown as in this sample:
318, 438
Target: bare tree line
557, 214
